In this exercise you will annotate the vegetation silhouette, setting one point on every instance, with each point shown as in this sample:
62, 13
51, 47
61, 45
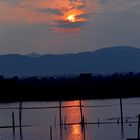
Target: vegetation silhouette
84, 86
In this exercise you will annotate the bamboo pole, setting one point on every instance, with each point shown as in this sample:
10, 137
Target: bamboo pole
13, 124
81, 113
51, 133
60, 117
65, 121
55, 121
121, 111
139, 126
20, 119
84, 129
98, 122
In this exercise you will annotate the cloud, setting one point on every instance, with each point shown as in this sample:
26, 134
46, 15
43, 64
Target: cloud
69, 25
9, 1
46, 12
85, 16
51, 11
119, 5
78, 4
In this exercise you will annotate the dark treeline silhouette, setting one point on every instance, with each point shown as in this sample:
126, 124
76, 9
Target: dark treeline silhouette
84, 86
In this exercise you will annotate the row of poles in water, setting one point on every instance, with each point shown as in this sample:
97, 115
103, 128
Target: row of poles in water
82, 120
60, 120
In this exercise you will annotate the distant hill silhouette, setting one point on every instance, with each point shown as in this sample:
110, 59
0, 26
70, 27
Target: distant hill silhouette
102, 61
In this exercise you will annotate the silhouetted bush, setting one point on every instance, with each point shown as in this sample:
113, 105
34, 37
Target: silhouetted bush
84, 86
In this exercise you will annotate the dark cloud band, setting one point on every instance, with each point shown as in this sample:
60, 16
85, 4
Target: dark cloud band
51, 11
69, 25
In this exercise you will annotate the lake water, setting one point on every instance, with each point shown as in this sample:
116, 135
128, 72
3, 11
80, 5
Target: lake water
102, 120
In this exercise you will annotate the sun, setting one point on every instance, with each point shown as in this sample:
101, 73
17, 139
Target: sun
71, 18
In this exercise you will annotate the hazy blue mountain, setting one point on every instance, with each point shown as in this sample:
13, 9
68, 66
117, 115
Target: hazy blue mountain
34, 55
103, 61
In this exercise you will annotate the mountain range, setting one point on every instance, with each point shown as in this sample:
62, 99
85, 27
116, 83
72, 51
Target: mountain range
103, 61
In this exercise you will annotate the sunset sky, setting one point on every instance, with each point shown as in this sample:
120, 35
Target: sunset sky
65, 26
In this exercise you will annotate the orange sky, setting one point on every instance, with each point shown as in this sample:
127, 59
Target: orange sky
53, 13
41, 26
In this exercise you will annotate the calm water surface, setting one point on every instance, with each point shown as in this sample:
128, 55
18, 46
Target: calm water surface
102, 118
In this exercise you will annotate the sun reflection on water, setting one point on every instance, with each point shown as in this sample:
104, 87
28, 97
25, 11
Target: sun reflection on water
73, 116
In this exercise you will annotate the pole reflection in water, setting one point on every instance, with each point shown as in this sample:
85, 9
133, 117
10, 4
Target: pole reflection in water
73, 132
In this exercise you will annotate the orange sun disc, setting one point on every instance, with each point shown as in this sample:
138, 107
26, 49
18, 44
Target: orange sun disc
71, 18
